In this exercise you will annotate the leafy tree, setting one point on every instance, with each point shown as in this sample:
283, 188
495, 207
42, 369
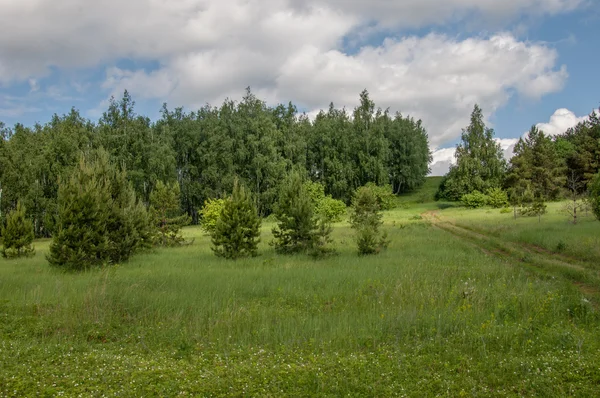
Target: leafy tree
409, 154
237, 230
17, 234
295, 230
210, 214
479, 161
475, 199
366, 220
164, 202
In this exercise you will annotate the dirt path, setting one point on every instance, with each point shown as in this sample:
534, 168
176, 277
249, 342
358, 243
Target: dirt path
583, 275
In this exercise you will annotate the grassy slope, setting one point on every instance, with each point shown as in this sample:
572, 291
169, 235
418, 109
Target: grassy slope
432, 315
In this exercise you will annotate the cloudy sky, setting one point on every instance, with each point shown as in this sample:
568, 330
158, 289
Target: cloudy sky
524, 61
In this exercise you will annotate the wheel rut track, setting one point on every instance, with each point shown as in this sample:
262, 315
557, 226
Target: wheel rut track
583, 275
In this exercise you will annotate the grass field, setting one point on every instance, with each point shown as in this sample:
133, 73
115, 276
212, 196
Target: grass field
463, 303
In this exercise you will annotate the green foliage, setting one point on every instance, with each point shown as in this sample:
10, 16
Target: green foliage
475, 200
164, 202
297, 222
366, 220
506, 210
385, 197
17, 235
594, 196
210, 214
496, 197
330, 210
237, 230
535, 209
536, 167
480, 164
99, 219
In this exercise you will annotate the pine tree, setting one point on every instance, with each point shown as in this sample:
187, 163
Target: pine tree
81, 238
17, 234
295, 231
366, 220
537, 165
164, 201
237, 230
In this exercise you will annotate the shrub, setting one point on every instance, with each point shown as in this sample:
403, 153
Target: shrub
237, 231
17, 234
474, 199
331, 210
211, 213
497, 198
384, 194
366, 220
535, 209
506, 210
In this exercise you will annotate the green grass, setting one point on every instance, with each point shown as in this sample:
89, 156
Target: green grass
432, 315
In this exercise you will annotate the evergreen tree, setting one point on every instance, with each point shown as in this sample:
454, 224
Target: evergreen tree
164, 201
479, 161
366, 220
537, 165
583, 158
237, 231
84, 205
297, 224
17, 234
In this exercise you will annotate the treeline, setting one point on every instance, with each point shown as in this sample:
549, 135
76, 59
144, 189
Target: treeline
543, 168
205, 151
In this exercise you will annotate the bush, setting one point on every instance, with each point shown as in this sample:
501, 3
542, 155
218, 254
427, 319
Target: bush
384, 194
17, 234
331, 210
506, 210
497, 198
237, 231
366, 220
211, 213
535, 209
475, 200
325, 207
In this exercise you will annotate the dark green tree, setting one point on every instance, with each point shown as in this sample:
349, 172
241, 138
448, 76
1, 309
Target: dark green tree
480, 164
536, 164
297, 224
17, 234
237, 231
81, 238
366, 220
583, 158
164, 202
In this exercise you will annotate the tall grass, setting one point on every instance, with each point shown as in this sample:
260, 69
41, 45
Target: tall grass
431, 300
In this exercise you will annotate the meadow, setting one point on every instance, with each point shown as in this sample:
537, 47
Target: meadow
462, 303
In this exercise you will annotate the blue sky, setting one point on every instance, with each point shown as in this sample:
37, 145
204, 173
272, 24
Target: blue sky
524, 61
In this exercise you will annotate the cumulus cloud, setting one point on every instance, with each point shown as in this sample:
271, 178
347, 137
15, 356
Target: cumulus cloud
562, 120
207, 50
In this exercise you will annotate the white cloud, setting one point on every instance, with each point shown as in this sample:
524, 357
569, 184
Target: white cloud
562, 120
207, 50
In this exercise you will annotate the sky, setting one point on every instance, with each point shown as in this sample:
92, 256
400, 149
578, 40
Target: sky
525, 62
